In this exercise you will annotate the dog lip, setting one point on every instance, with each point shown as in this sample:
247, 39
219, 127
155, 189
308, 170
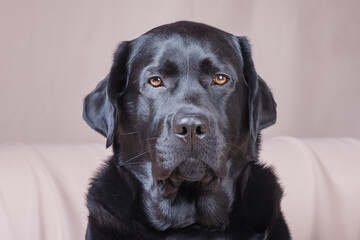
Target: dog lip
190, 179
213, 185
192, 170
167, 187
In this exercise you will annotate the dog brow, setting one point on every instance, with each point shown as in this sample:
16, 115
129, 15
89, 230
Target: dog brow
207, 66
169, 68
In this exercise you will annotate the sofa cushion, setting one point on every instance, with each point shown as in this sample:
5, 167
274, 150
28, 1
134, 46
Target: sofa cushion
321, 184
43, 187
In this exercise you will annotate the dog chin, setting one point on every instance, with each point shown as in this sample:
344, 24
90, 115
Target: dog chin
199, 178
207, 201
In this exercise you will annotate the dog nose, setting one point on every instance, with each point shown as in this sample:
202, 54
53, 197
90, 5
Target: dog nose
190, 128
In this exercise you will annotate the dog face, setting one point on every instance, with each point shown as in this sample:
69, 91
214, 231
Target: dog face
182, 107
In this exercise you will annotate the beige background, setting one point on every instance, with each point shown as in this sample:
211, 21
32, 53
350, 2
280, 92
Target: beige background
52, 53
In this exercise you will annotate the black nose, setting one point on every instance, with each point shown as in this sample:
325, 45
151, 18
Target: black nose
191, 128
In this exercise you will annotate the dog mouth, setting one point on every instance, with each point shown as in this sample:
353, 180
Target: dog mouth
197, 174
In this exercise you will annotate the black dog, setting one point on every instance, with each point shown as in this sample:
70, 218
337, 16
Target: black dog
183, 107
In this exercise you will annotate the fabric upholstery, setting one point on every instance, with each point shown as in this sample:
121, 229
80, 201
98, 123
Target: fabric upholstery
322, 185
43, 187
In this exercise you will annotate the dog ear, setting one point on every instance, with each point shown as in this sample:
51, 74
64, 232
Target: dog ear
262, 106
100, 110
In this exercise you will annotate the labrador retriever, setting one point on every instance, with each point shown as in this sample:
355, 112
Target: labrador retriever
183, 108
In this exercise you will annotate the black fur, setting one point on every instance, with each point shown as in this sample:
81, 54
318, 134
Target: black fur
185, 163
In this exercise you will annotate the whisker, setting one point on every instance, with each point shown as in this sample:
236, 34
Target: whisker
132, 163
233, 145
150, 138
139, 155
233, 136
128, 133
136, 156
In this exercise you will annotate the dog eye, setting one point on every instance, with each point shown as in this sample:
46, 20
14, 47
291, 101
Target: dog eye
155, 81
221, 79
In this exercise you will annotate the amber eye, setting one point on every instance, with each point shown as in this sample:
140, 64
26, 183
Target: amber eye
221, 79
155, 81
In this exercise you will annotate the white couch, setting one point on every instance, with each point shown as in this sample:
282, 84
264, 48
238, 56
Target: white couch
43, 187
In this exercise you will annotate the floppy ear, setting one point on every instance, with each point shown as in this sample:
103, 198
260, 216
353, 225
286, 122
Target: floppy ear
262, 106
100, 106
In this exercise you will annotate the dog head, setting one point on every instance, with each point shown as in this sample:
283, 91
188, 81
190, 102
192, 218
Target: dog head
183, 107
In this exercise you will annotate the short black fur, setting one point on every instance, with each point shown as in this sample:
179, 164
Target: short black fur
185, 163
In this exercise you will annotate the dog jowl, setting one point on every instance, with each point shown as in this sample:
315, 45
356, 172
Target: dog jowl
183, 108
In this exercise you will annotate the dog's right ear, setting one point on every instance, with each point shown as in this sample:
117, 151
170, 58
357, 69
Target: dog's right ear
100, 107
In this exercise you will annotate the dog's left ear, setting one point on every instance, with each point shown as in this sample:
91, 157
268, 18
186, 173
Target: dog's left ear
262, 106
100, 106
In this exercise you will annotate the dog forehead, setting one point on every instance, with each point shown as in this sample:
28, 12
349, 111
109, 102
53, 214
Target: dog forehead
181, 37
182, 51
186, 28
179, 49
